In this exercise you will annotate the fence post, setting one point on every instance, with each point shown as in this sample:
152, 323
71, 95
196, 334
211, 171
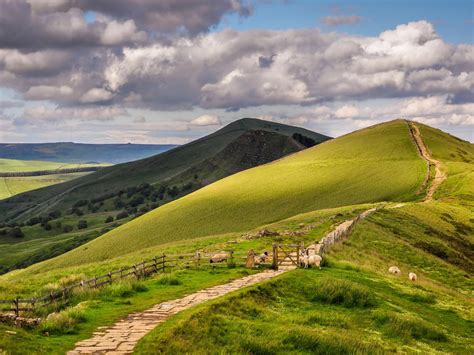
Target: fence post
298, 248
198, 259
163, 262
231, 257
110, 277
121, 273
143, 268
275, 256
95, 281
135, 270
155, 264
17, 306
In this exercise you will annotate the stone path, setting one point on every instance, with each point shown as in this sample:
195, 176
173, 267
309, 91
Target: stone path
440, 176
122, 337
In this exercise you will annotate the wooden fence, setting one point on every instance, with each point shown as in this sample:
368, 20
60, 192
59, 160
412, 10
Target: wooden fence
145, 268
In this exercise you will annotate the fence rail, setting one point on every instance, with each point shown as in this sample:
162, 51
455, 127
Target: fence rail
142, 269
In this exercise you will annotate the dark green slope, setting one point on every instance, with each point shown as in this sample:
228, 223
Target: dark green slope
131, 189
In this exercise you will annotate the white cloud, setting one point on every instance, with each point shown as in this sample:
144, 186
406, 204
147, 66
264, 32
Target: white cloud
206, 120
96, 95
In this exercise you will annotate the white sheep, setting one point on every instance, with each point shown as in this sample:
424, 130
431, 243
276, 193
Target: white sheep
394, 270
219, 257
315, 260
412, 276
262, 258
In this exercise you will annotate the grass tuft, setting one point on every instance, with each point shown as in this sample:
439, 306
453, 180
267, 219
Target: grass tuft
344, 293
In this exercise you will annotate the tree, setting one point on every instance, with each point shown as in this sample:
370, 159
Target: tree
67, 228
109, 219
82, 224
16, 232
122, 215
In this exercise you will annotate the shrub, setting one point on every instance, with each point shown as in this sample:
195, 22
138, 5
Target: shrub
109, 219
16, 232
121, 215
344, 293
82, 224
67, 228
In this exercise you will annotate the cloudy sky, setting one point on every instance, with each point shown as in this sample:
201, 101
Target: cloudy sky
169, 71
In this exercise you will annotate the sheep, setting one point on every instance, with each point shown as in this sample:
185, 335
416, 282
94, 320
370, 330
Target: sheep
219, 257
394, 270
262, 258
315, 260
310, 258
412, 276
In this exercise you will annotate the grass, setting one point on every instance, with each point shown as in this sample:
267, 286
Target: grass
11, 186
90, 310
288, 316
16, 166
329, 175
352, 306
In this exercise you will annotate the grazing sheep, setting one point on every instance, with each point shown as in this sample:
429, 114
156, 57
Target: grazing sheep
315, 260
394, 270
412, 276
304, 260
262, 258
219, 257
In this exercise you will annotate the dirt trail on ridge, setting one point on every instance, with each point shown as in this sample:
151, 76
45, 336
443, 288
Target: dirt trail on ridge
440, 176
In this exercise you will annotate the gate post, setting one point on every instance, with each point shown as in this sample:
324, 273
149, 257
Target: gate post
275, 256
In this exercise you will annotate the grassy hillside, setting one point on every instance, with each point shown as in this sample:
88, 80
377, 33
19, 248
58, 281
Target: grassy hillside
457, 157
361, 167
353, 305
81, 153
119, 193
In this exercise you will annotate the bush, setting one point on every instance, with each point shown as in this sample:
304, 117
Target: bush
67, 228
344, 293
16, 232
121, 215
109, 219
82, 224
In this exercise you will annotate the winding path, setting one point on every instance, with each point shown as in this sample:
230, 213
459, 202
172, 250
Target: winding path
123, 336
440, 176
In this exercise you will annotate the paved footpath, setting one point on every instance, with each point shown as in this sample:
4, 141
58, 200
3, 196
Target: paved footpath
122, 337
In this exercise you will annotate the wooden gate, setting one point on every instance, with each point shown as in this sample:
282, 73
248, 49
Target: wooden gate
286, 256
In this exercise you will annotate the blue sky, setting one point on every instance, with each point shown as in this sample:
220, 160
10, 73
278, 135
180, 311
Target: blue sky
146, 71
453, 18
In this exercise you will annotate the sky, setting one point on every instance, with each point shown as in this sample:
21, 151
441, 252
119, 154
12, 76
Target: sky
171, 71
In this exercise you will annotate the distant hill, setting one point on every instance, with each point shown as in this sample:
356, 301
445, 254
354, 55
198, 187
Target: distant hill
81, 153
124, 191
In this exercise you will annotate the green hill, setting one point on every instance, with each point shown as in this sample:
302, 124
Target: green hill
116, 194
352, 305
361, 167
238, 146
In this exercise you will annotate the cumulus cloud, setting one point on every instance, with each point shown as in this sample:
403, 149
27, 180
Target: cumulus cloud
341, 20
206, 120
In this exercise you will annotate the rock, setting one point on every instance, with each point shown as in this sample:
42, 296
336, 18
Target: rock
250, 262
